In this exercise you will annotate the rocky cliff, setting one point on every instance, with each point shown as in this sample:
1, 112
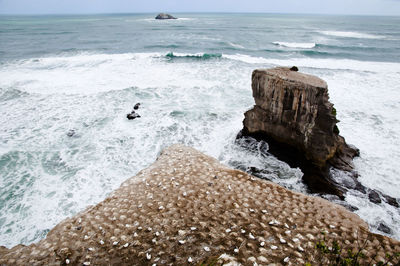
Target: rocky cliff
187, 208
294, 108
293, 113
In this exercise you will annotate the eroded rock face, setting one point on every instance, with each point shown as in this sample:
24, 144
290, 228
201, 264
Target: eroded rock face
294, 108
186, 209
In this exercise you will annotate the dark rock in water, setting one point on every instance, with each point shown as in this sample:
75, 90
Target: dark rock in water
132, 115
350, 207
136, 106
384, 228
165, 16
374, 196
294, 115
71, 133
294, 68
391, 201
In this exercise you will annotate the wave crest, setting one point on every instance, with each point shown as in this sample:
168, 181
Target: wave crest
351, 34
302, 45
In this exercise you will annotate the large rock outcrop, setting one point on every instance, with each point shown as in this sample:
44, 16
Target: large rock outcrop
294, 108
293, 113
187, 208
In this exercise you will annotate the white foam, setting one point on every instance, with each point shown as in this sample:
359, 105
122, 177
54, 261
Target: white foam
302, 45
351, 34
334, 64
236, 45
153, 20
198, 103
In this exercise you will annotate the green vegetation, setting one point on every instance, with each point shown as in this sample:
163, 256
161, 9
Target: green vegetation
334, 111
337, 254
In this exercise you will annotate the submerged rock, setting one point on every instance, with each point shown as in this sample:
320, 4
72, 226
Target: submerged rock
71, 133
374, 196
384, 228
167, 214
132, 116
165, 16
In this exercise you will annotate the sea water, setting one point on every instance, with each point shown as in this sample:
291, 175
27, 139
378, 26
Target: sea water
67, 83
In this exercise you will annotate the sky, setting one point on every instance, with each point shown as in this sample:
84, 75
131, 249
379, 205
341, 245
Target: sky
347, 7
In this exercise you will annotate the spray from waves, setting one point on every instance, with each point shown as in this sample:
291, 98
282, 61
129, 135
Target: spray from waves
237, 46
351, 34
334, 64
301, 45
200, 56
199, 104
105, 72
153, 20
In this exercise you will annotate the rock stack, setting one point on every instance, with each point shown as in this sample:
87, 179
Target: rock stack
293, 113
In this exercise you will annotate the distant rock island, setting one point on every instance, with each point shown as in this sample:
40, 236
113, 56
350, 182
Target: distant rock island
165, 16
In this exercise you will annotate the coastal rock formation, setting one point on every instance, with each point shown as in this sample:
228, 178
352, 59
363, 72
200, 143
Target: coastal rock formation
187, 208
294, 108
165, 16
293, 113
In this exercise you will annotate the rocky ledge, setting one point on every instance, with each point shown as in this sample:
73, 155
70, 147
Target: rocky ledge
165, 16
187, 208
294, 115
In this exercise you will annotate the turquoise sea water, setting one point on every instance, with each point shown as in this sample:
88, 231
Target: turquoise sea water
60, 74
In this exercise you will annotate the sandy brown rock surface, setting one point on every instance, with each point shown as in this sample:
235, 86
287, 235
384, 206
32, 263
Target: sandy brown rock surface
294, 108
186, 208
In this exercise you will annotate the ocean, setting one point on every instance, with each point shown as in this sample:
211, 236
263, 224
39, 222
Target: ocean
68, 82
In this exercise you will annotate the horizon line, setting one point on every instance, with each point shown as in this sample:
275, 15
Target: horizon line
191, 12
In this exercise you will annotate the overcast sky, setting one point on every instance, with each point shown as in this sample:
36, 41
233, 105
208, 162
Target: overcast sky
358, 7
